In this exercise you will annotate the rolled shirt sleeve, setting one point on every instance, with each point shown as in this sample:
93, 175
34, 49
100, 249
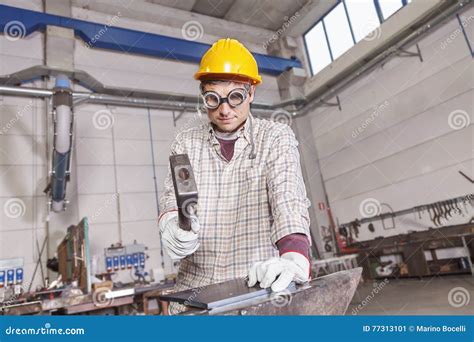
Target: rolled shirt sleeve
298, 243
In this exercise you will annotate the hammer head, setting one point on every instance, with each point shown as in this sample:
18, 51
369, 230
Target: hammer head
185, 188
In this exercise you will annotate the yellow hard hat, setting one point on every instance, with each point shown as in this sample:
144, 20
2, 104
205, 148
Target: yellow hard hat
228, 59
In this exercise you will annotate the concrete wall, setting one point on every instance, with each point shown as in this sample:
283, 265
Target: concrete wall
397, 140
112, 171
23, 168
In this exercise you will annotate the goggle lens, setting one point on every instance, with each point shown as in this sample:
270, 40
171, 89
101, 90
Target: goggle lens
236, 97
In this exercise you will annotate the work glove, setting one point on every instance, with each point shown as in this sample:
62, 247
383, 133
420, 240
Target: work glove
290, 266
178, 243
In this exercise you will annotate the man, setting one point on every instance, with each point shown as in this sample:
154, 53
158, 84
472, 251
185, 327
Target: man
252, 214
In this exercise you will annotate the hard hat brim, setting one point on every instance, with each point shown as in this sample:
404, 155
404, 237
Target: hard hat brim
208, 76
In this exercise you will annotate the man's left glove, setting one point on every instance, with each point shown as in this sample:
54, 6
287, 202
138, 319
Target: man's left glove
290, 266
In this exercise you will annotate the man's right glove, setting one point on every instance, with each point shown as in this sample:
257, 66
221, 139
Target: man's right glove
178, 243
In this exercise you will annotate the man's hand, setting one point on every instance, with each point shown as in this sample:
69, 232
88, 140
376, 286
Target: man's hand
290, 266
178, 243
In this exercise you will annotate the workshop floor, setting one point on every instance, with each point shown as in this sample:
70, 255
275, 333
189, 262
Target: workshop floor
428, 296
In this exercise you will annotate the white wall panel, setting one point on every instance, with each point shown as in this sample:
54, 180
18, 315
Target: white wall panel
425, 96
401, 136
100, 208
135, 179
143, 232
393, 142
138, 207
94, 151
95, 179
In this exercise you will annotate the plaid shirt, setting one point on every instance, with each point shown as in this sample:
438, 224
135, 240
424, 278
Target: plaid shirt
245, 205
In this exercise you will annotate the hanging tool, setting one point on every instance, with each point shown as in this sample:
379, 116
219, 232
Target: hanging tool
436, 211
458, 208
327, 238
390, 214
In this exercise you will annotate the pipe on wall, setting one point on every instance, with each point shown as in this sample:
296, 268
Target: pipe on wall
63, 121
301, 106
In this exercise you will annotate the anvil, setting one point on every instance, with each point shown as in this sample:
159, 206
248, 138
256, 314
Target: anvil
326, 295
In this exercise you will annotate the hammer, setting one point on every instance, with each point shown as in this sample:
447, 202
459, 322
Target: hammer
185, 188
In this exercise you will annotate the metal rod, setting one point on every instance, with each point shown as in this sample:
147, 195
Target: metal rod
465, 198
466, 38
41, 266
155, 183
37, 263
25, 91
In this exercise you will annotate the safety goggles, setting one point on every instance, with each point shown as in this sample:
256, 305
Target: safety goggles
235, 97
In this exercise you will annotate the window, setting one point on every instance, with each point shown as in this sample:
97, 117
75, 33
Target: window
338, 31
363, 17
318, 50
388, 7
348, 22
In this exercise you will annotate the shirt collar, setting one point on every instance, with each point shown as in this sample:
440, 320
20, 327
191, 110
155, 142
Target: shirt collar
243, 131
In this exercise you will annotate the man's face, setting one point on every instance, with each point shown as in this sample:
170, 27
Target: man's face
224, 117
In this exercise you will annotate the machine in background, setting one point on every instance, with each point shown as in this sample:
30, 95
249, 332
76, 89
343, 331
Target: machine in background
11, 279
76, 291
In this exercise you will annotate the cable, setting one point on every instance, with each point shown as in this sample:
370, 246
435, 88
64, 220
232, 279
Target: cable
155, 182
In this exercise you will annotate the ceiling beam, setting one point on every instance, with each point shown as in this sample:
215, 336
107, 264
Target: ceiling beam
171, 17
